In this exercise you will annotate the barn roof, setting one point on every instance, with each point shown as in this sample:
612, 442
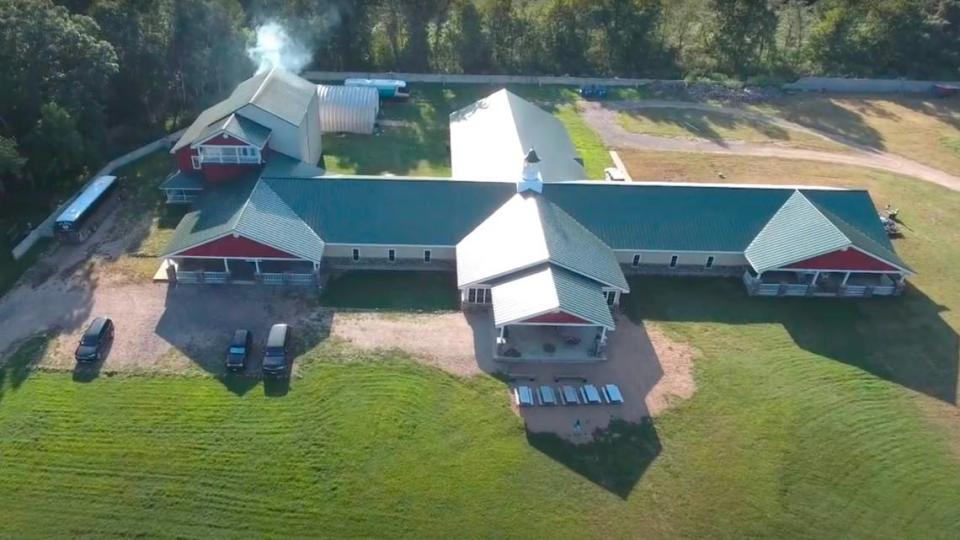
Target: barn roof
624, 216
800, 230
547, 289
529, 230
489, 139
276, 91
240, 127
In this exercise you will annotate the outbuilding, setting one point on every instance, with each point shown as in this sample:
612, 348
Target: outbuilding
348, 109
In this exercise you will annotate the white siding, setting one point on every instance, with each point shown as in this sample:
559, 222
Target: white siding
380, 252
310, 131
284, 138
685, 258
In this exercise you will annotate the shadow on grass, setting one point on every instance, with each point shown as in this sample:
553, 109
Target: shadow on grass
17, 367
616, 458
393, 290
703, 124
900, 339
837, 123
198, 321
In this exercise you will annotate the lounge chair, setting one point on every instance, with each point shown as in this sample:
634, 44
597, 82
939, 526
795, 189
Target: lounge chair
523, 396
547, 395
590, 394
568, 395
611, 394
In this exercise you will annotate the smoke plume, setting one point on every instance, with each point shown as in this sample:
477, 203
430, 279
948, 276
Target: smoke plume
275, 47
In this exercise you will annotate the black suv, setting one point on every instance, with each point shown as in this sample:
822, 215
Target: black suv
239, 350
275, 357
95, 341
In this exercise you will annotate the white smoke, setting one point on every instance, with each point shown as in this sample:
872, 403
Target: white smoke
275, 47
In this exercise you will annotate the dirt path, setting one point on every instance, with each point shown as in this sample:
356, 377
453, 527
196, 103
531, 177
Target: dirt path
604, 119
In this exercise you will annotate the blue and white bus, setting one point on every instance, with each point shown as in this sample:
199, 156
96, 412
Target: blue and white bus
74, 224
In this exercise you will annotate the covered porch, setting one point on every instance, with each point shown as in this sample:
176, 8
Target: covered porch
236, 270
848, 283
550, 343
182, 188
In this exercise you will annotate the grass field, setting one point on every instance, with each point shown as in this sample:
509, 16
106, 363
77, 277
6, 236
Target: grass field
716, 126
420, 147
923, 129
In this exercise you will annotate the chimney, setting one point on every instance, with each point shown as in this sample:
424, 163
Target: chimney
531, 179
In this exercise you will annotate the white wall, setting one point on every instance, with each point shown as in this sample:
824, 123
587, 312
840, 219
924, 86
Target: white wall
310, 132
285, 137
691, 258
380, 252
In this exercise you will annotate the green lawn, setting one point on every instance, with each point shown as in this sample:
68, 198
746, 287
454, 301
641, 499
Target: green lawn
393, 291
718, 126
420, 147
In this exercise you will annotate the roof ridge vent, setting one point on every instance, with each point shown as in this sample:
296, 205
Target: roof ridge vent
531, 180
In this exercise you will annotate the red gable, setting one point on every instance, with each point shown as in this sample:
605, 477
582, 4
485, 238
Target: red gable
851, 259
557, 318
239, 247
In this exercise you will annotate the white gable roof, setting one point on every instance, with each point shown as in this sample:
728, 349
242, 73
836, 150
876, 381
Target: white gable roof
489, 139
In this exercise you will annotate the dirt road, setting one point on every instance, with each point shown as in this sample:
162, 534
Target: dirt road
603, 118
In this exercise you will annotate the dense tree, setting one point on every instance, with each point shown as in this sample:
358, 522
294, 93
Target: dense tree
741, 33
55, 146
11, 162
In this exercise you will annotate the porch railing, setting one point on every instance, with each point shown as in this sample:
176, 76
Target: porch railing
181, 198
230, 160
287, 278
756, 287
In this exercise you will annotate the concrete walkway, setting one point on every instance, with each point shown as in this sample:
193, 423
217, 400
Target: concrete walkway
604, 119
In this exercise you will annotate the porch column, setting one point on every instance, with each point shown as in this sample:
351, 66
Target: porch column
256, 264
603, 334
226, 267
845, 278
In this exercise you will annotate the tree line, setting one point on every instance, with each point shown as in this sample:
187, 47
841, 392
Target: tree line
82, 76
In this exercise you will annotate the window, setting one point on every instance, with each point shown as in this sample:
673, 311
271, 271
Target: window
195, 160
392, 255
709, 262
636, 260
673, 261
427, 255
479, 296
611, 297
229, 154
356, 254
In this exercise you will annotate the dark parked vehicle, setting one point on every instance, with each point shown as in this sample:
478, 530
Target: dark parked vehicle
239, 350
275, 356
95, 341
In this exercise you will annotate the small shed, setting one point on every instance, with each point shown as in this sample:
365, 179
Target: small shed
347, 109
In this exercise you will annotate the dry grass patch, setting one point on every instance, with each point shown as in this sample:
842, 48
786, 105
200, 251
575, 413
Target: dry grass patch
923, 129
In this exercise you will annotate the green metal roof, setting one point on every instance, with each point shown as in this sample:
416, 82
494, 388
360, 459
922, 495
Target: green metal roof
239, 127
548, 289
796, 232
801, 230
250, 209
530, 230
625, 216
276, 91
182, 180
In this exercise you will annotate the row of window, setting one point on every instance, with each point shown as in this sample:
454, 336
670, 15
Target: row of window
674, 259
392, 255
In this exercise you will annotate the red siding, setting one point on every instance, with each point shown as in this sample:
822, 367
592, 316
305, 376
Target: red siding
184, 158
557, 318
230, 246
216, 172
850, 259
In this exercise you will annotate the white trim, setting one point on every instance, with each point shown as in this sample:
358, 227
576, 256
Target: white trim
235, 258
681, 251
221, 131
360, 244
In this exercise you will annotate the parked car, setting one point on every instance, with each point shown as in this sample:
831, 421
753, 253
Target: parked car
275, 355
239, 349
95, 341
